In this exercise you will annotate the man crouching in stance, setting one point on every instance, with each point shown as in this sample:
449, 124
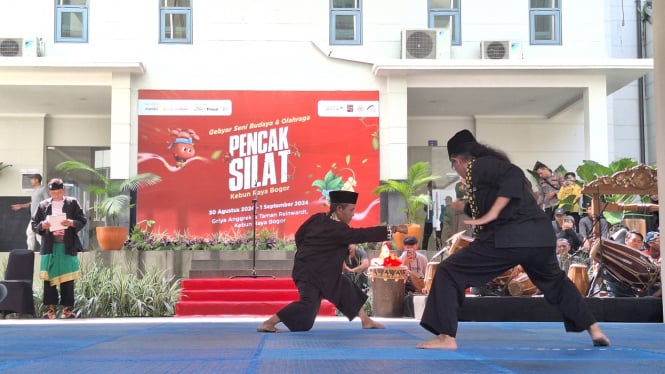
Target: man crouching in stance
322, 245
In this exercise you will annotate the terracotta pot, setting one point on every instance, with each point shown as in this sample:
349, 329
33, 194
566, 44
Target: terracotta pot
112, 237
413, 230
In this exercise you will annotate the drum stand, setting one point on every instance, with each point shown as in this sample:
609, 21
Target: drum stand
255, 201
596, 281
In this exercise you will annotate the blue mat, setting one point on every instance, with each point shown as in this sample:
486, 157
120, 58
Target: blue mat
186, 345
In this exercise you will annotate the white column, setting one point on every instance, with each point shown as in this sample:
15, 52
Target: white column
120, 125
596, 134
658, 17
393, 129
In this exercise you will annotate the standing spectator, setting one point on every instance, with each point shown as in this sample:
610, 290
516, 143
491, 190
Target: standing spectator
428, 228
549, 183
60, 246
448, 220
571, 188
442, 217
39, 193
355, 265
459, 206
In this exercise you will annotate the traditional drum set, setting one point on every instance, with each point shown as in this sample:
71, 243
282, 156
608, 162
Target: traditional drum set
626, 265
513, 282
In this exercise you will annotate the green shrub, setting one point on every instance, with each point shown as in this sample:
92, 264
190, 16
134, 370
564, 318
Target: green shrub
104, 292
146, 238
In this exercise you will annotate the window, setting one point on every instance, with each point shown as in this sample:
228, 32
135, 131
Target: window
175, 21
71, 21
345, 22
446, 14
545, 22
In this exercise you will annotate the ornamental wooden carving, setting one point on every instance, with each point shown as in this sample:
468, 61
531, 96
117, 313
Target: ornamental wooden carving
638, 180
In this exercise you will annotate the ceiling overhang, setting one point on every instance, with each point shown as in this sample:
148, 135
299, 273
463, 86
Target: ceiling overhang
505, 87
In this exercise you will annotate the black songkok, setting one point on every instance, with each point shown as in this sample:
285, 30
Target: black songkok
343, 197
458, 141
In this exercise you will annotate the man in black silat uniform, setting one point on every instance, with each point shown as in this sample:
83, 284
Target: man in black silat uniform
509, 229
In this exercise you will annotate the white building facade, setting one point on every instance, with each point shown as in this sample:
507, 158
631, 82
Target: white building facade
564, 88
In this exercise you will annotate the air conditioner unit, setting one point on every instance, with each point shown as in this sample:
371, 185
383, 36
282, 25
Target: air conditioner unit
426, 43
21, 47
500, 50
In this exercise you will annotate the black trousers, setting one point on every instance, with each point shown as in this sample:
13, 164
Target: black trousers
427, 232
479, 263
66, 297
300, 315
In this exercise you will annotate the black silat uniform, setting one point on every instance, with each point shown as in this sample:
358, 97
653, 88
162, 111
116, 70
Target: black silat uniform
322, 245
522, 234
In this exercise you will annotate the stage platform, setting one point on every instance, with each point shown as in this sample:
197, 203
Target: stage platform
335, 345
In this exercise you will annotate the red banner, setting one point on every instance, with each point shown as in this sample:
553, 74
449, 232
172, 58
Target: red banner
218, 151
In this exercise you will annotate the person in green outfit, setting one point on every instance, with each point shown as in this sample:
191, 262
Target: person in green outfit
58, 220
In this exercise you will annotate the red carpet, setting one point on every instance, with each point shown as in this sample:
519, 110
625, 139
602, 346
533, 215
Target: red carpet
239, 297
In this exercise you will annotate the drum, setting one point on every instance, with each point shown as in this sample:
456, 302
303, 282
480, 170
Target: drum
387, 290
429, 276
521, 285
505, 277
627, 265
579, 276
458, 242
418, 283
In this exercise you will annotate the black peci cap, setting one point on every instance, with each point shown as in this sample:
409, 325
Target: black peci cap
458, 141
343, 197
410, 240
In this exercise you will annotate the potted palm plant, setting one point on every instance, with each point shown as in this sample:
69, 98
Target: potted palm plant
114, 201
415, 196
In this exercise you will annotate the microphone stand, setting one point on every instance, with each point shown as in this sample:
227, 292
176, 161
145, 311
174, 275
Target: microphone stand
255, 201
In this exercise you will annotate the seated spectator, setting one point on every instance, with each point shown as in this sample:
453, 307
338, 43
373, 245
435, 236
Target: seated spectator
416, 264
587, 223
652, 249
568, 232
652, 246
562, 253
355, 265
557, 222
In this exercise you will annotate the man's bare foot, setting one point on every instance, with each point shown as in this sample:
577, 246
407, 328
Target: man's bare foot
601, 342
597, 336
367, 322
371, 324
267, 327
269, 324
440, 341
